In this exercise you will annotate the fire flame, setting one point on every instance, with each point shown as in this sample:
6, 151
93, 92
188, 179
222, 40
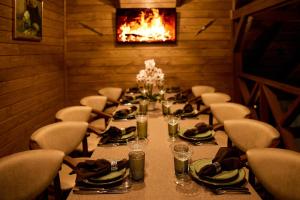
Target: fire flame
147, 27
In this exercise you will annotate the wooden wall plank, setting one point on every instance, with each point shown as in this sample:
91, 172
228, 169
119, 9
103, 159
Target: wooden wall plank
31, 77
96, 61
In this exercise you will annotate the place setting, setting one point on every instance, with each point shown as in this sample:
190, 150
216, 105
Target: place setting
131, 98
102, 176
179, 98
125, 113
201, 133
187, 112
115, 136
223, 174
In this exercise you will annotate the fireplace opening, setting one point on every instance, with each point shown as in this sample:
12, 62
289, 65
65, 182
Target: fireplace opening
146, 25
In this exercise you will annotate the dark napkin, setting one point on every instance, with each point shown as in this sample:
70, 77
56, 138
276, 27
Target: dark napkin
113, 134
96, 168
200, 127
133, 90
227, 158
179, 98
130, 99
125, 113
186, 112
173, 89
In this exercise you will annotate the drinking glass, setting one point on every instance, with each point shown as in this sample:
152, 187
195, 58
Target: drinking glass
137, 165
143, 106
142, 125
173, 127
166, 107
182, 153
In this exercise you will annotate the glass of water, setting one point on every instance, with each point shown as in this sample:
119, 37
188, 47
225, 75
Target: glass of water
173, 127
166, 107
142, 125
182, 153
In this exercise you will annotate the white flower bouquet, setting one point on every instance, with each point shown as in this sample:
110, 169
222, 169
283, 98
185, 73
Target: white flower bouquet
151, 75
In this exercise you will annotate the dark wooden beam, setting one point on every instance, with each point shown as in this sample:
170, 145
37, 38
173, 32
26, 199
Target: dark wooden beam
279, 15
179, 3
288, 139
116, 3
275, 84
264, 105
292, 113
253, 95
259, 5
273, 103
239, 34
244, 90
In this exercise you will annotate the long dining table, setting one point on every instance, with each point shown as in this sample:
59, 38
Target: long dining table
159, 182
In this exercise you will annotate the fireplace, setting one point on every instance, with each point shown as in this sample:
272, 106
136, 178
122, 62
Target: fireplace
146, 25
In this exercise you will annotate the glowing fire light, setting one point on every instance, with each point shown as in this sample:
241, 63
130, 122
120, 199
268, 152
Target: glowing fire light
149, 25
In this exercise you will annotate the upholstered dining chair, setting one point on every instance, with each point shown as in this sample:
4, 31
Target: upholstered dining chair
63, 136
80, 113
248, 134
99, 119
113, 95
277, 170
226, 111
197, 91
211, 98
25, 175
229, 110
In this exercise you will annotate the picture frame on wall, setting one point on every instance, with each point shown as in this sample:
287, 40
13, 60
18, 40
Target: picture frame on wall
28, 20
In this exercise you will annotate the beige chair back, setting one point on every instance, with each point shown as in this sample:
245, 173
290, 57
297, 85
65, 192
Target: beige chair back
63, 136
198, 90
249, 133
74, 113
227, 111
112, 93
217, 97
95, 102
278, 170
27, 174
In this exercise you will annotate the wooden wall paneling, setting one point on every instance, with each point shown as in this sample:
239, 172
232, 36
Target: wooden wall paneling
31, 77
94, 61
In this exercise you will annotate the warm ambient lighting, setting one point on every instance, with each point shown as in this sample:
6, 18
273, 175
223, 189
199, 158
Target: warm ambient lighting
146, 25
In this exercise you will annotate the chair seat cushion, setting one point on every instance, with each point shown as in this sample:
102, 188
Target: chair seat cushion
99, 124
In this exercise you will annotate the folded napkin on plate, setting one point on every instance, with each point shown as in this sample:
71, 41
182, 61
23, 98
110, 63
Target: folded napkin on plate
131, 99
187, 109
227, 158
200, 127
133, 90
114, 133
125, 113
97, 168
179, 98
173, 89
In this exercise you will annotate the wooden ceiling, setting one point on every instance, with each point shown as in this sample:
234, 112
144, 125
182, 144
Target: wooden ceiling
148, 3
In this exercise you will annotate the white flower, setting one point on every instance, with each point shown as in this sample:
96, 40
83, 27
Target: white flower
151, 74
150, 63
